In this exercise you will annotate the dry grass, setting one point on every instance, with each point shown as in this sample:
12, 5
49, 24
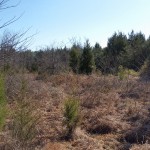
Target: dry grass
141, 147
115, 114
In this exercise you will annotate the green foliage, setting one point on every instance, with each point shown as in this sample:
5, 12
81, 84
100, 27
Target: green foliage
137, 51
74, 61
71, 115
87, 64
24, 122
130, 53
24, 119
133, 72
121, 73
117, 43
116, 47
98, 56
3, 110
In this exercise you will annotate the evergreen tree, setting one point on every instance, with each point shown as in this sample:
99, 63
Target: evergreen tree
116, 47
87, 64
136, 51
98, 54
74, 59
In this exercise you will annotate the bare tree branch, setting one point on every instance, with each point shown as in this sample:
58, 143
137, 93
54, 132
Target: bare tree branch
3, 4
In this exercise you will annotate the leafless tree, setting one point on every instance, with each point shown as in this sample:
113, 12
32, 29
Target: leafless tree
12, 47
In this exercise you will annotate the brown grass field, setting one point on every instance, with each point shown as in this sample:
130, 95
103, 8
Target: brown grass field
115, 114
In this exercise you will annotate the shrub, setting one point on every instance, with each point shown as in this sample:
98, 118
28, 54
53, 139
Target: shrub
24, 123
24, 119
121, 73
71, 116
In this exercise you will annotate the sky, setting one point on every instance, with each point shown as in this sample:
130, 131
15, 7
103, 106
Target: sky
60, 22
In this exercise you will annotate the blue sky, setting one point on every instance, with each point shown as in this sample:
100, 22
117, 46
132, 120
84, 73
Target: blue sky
58, 21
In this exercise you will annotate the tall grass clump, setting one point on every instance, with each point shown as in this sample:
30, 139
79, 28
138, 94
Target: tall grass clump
71, 116
2, 101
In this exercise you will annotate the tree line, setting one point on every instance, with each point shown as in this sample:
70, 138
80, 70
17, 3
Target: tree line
127, 51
